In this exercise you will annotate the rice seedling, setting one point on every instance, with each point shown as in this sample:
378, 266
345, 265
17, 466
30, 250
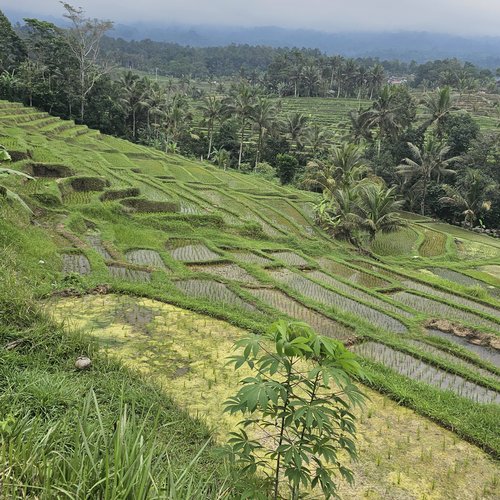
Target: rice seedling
78, 197
316, 292
277, 219
226, 271
450, 357
193, 252
462, 279
250, 257
355, 275
281, 302
213, 291
416, 369
187, 207
464, 234
434, 244
94, 240
491, 269
402, 242
325, 278
487, 353
290, 258
75, 263
128, 274
143, 257
414, 285
435, 308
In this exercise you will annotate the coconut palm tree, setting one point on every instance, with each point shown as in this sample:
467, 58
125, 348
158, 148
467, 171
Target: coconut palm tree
438, 106
221, 157
376, 77
379, 209
264, 118
133, 97
360, 128
296, 127
177, 119
212, 110
357, 212
426, 163
345, 168
383, 115
470, 195
339, 215
241, 105
317, 138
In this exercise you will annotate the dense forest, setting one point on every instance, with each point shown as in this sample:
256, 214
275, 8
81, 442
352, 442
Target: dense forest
409, 142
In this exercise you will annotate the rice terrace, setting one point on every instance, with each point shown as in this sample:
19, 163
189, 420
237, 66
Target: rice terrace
309, 244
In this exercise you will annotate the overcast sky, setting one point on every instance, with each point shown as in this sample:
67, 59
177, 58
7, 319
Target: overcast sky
476, 17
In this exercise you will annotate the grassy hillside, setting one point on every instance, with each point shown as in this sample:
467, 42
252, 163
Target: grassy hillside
224, 248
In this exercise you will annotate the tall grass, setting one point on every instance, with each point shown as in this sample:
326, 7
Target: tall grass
86, 458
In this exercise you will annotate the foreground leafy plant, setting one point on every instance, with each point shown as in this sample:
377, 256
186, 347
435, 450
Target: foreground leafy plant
299, 405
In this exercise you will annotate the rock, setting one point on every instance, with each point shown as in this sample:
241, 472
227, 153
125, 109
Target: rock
83, 363
14, 344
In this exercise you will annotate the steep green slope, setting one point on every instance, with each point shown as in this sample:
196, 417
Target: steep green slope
245, 250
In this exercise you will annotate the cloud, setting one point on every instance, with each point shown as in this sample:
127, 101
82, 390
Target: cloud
446, 16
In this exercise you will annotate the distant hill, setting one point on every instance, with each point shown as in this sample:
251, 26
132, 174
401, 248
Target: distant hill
404, 45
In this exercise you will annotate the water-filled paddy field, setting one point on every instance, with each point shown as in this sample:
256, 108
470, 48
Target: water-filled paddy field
186, 353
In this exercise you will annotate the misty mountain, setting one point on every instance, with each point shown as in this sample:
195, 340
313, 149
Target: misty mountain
405, 46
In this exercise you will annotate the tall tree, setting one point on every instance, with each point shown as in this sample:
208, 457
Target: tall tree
426, 163
318, 139
241, 104
84, 39
264, 118
470, 195
133, 97
379, 209
12, 49
212, 109
438, 106
383, 115
296, 127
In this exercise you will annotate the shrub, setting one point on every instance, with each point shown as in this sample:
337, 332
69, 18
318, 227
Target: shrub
287, 166
300, 395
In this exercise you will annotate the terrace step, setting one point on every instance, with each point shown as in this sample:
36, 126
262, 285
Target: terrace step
22, 119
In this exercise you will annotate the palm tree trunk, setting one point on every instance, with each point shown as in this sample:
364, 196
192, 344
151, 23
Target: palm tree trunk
210, 138
259, 147
241, 146
424, 195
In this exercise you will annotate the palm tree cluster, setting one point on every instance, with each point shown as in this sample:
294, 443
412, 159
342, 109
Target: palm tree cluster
256, 117
355, 205
300, 74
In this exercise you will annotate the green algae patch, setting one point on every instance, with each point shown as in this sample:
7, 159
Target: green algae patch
184, 351
401, 454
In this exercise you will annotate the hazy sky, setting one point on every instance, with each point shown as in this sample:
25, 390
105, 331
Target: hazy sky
447, 16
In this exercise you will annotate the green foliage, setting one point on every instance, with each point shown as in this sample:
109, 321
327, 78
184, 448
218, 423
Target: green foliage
286, 166
12, 48
299, 399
